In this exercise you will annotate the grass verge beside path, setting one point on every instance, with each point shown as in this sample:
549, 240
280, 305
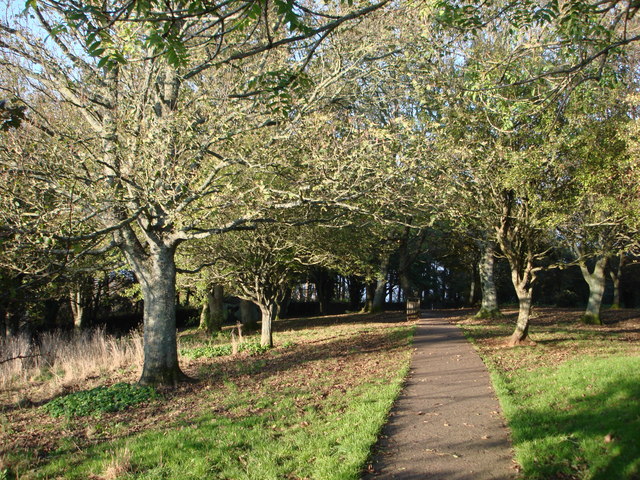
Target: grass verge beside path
572, 402
309, 410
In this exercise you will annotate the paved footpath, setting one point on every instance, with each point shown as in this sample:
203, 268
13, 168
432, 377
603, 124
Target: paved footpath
447, 423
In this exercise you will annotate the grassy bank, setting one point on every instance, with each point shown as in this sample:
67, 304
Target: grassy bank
572, 401
311, 408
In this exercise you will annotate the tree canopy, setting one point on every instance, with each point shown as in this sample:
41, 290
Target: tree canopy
217, 136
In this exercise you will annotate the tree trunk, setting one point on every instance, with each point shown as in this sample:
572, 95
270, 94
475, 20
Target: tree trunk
212, 314
616, 276
525, 294
325, 283
77, 302
406, 285
157, 276
247, 316
355, 292
381, 286
489, 307
369, 291
268, 312
596, 281
472, 288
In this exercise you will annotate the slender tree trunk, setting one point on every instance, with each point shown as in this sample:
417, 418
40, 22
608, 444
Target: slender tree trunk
157, 276
325, 284
355, 292
247, 317
489, 307
369, 290
77, 302
381, 286
269, 311
405, 285
616, 277
212, 314
472, 288
596, 281
525, 294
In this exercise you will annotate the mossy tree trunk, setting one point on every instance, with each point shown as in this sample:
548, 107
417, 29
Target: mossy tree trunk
212, 315
596, 279
486, 267
524, 291
157, 276
518, 239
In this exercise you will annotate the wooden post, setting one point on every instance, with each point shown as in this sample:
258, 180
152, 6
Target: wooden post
413, 308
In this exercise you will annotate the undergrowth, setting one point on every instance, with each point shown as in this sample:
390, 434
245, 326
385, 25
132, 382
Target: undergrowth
65, 357
99, 400
312, 410
212, 351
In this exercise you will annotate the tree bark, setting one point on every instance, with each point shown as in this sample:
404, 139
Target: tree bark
616, 277
157, 276
518, 242
77, 302
369, 290
14, 320
381, 286
269, 311
212, 314
283, 305
596, 281
525, 294
408, 251
489, 306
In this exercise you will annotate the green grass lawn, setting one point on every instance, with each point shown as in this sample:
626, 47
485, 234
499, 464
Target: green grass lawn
311, 409
572, 401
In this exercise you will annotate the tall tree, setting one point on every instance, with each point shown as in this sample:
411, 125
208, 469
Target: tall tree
158, 96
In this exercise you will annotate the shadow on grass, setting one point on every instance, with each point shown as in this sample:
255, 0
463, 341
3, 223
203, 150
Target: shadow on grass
279, 361
334, 320
285, 419
592, 436
247, 373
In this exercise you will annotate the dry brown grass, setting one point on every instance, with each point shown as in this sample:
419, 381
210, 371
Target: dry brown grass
119, 465
61, 358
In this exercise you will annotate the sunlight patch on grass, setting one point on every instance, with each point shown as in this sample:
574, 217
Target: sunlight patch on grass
572, 402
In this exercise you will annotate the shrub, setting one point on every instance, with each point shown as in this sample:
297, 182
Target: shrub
211, 351
99, 400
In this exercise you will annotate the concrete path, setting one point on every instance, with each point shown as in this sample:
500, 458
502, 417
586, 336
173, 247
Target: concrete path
447, 422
